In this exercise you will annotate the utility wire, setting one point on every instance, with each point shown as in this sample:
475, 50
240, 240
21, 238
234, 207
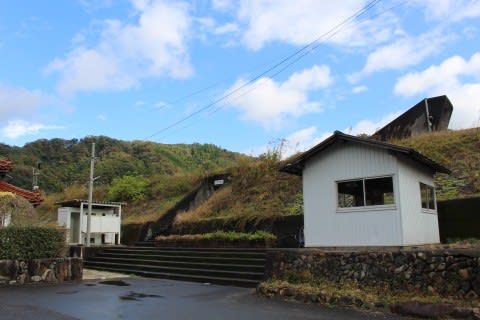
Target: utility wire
275, 66
258, 84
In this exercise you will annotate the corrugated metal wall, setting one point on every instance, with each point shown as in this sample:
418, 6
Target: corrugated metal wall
324, 226
419, 226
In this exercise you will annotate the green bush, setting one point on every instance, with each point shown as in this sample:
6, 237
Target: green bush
31, 243
239, 236
230, 236
128, 188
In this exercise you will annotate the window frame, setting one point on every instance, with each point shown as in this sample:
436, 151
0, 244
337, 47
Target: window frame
428, 210
365, 207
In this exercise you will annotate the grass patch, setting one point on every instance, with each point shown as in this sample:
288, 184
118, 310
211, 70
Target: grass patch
370, 295
222, 236
458, 150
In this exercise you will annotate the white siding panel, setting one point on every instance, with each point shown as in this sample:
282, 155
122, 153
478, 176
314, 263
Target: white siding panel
418, 227
324, 226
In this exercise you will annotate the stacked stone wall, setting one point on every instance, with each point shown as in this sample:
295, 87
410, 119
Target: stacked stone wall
19, 272
442, 271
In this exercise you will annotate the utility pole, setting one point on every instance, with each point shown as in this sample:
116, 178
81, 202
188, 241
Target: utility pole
90, 193
35, 174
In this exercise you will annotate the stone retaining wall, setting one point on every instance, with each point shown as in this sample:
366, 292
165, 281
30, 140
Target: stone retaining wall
442, 271
40, 270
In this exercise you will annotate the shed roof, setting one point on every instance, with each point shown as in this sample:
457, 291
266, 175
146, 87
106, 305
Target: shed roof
295, 166
76, 203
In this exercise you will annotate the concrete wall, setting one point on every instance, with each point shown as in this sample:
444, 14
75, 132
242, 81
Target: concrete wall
325, 225
18, 272
420, 226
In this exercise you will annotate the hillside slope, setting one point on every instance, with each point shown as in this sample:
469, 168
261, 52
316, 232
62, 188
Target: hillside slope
458, 150
260, 191
66, 162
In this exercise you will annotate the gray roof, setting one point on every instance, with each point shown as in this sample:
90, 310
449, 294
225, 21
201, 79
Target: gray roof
295, 165
75, 203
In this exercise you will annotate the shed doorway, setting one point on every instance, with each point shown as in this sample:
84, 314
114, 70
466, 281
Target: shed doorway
75, 227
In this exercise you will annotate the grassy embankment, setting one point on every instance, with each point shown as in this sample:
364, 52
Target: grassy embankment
259, 191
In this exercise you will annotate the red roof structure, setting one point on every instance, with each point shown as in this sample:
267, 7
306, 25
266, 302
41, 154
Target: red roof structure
34, 197
5, 166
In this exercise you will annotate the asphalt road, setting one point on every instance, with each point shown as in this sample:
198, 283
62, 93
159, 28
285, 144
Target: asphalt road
141, 298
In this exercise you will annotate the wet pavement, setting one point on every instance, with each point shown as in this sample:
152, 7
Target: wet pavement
140, 298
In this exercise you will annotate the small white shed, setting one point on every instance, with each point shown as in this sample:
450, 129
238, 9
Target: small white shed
105, 222
363, 192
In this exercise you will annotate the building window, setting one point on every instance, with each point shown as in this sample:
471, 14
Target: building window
428, 196
379, 191
365, 192
350, 194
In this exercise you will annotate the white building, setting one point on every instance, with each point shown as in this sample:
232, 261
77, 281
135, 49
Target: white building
363, 192
104, 226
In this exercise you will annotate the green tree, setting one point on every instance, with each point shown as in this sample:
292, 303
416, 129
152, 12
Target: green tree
128, 188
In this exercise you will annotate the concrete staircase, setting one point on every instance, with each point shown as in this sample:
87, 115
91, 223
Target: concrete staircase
238, 267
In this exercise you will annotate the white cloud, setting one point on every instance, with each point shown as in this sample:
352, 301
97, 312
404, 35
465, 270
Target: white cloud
404, 52
19, 102
161, 104
359, 89
101, 117
298, 22
226, 28
139, 103
456, 77
304, 139
269, 102
369, 127
18, 128
453, 10
154, 45
222, 5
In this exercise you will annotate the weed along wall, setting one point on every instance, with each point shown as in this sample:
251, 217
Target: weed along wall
446, 272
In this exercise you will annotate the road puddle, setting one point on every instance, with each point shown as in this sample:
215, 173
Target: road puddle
136, 296
119, 283
67, 292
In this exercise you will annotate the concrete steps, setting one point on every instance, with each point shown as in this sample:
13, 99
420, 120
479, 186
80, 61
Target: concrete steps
239, 267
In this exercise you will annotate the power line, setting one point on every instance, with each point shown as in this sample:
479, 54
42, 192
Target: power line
304, 54
258, 84
276, 65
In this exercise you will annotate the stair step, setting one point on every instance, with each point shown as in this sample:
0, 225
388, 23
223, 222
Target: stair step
236, 266
201, 253
203, 265
182, 277
151, 244
186, 271
182, 258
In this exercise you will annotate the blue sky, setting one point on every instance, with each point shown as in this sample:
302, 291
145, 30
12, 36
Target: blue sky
123, 68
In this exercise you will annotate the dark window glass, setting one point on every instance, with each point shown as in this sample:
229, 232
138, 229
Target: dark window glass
428, 196
350, 194
379, 191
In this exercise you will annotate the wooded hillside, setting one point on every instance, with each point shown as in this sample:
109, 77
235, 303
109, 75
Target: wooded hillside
66, 162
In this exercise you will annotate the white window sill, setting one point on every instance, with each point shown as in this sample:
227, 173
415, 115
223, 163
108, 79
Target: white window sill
429, 211
389, 207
